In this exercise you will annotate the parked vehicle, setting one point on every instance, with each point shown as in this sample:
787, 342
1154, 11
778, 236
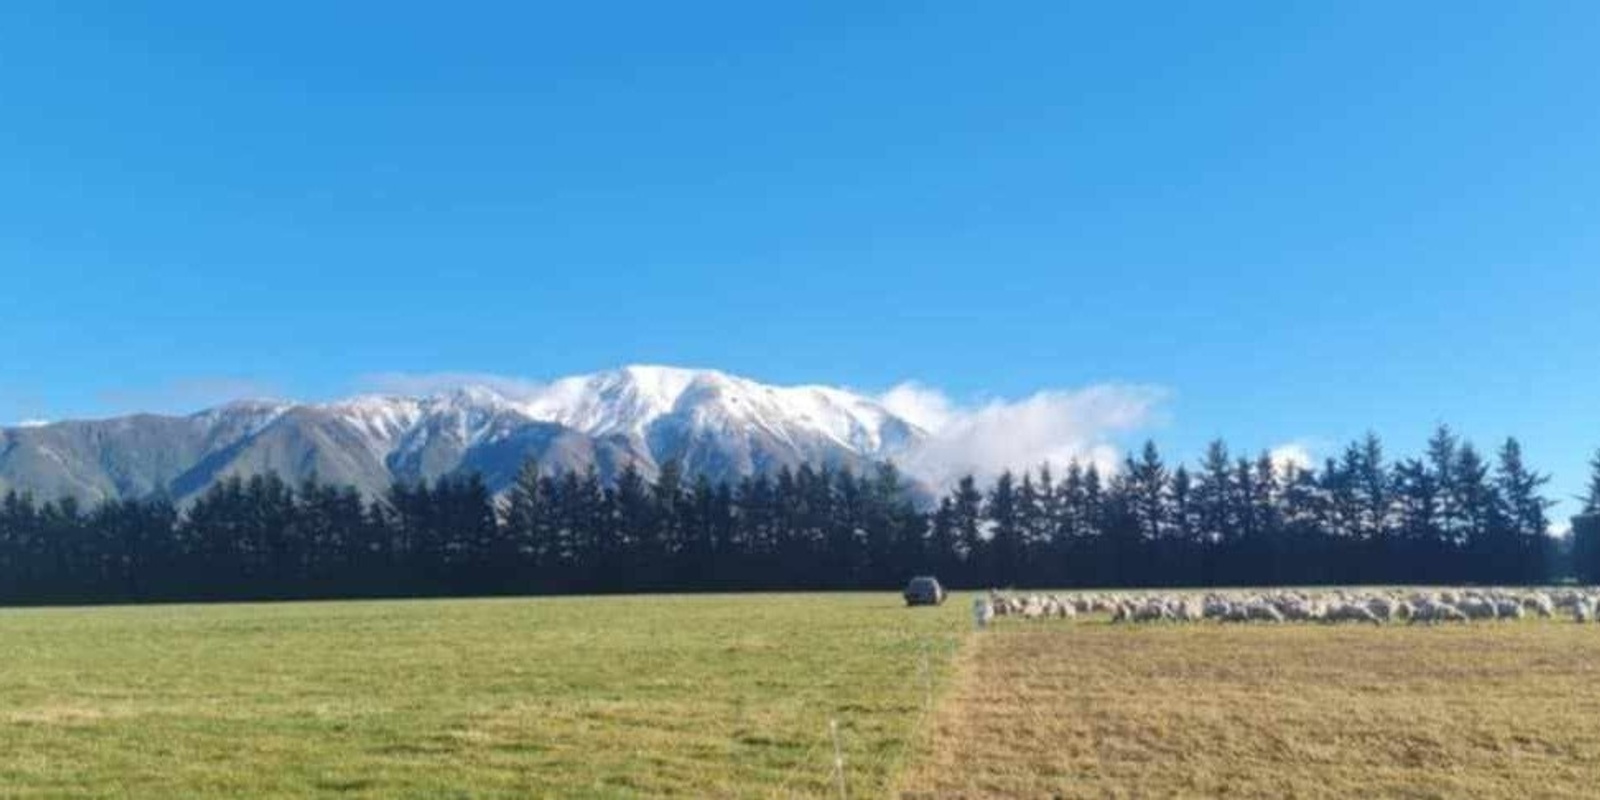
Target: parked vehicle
924, 590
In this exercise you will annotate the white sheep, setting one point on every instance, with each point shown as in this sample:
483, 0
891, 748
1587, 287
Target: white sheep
1263, 611
1477, 608
1351, 612
1438, 612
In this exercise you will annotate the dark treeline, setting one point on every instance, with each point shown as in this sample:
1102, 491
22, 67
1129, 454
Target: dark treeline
1449, 516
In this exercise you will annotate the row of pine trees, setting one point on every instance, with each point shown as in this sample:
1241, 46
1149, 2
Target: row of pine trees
1448, 516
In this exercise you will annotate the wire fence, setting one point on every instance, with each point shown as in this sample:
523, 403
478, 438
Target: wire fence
827, 766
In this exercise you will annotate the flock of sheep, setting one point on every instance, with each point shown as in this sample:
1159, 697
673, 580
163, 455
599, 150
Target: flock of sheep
1371, 605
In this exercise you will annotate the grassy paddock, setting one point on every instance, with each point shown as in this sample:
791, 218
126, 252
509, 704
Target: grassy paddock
1092, 710
703, 696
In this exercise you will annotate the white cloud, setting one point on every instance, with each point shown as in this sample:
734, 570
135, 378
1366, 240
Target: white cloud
427, 383
1296, 454
1053, 426
922, 406
1560, 527
33, 423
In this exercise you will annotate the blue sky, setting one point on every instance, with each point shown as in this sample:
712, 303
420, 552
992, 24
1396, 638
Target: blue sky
1304, 220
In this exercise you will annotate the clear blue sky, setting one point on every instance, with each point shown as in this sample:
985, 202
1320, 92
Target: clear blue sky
1305, 219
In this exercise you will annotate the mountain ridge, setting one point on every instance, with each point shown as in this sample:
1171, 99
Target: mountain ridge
713, 423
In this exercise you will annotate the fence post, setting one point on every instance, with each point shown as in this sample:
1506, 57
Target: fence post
927, 680
838, 757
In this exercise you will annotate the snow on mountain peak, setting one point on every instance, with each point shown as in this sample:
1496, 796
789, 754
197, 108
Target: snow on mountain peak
632, 400
381, 418
629, 401
710, 422
616, 401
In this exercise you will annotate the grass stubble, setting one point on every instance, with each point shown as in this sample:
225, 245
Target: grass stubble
1093, 710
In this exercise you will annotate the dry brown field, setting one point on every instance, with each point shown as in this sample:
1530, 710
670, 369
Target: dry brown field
1094, 710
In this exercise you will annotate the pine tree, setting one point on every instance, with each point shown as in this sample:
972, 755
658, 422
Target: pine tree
593, 524
484, 567
846, 544
525, 514
1442, 460
896, 528
1480, 531
1268, 490
944, 551
1147, 482
817, 513
1586, 530
1343, 482
1184, 518
1094, 500
1047, 527
667, 501
967, 511
1212, 496
1523, 512
1591, 503
1029, 514
1419, 539
635, 542
1372, 489
1006, 543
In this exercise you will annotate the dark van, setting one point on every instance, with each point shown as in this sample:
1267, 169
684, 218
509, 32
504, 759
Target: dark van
924, 590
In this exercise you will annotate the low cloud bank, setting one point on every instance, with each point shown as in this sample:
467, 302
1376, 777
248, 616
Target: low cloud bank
1052, 426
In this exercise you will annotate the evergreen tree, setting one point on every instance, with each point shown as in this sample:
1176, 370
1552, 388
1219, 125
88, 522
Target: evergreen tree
1480, 532
1372, 487
967, 519
694, 565
1048, 520
943, 545
1442, 460
593, 523
893, 531
1147, 484
1072, 522
1591, 499
1523, 514
1030, 515
1437, 519
1212, 496
524, 524
1006, 543
666, 515
1586, 530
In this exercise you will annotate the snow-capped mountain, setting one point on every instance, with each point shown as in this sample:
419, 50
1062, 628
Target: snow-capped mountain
713, 423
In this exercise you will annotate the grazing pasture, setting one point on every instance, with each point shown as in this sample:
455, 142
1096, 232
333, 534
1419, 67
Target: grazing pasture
1057, 708
692, 696
731, 696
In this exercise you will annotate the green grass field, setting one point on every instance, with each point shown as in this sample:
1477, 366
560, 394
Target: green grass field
694, 696
731, 696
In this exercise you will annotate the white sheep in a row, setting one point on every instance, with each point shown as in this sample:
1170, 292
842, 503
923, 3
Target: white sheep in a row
1375, 606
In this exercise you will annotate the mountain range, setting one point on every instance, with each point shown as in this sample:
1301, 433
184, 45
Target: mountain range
713, 423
